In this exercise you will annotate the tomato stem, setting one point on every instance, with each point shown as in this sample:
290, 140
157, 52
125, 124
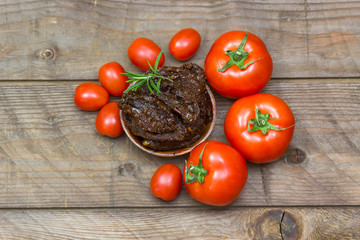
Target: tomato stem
261, 122
196, 173
238, 57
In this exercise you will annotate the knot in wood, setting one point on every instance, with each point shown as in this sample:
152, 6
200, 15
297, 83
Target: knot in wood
288, 227
127, 169
267, 226
47, 53
295, 156
276, 224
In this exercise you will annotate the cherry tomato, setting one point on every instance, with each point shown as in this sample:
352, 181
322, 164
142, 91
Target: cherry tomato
238, 64
260, 127
111, 79
166, 182
184, 44
215, 173
143, 49
108, 121
90, 96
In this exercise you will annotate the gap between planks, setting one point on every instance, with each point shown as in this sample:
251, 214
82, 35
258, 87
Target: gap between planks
273, 80
180, 208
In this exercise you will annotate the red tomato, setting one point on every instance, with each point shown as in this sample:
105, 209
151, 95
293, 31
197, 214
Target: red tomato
219, 176
90, 96
238, 64
166, 182
270, 134
112, 80
142, 49
184, 44
108, 121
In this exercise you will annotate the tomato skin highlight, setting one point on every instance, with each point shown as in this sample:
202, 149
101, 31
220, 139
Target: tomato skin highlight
111, 79
166, 182
108, 122
235, 82
254, 146
90, 96
227, 174
142, 49
184, 44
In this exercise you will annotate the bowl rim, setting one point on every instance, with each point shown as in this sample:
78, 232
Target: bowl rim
181, 151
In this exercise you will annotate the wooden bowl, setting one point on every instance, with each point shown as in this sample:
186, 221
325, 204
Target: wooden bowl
177, 152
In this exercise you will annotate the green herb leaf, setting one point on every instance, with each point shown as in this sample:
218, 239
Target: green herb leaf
154, 86
134, 87
129, 74
157, 61
147, 82
149, 78
158, 83
152, 69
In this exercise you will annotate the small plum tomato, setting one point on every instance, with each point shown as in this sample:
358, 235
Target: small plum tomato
111, 79
108, 121
143, 50
90, 96
184, 44
166, 182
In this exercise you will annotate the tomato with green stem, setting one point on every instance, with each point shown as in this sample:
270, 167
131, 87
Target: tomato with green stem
238, 64
143, 52
166, 182
260, 127
215, 173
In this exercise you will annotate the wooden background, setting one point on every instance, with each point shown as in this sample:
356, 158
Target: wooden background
60, 179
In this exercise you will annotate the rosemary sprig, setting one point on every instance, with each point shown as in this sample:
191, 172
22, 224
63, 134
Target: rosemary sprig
148, 79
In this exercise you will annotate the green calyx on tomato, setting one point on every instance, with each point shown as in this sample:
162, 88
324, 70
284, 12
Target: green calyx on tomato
196, 173
261, 122
237, 57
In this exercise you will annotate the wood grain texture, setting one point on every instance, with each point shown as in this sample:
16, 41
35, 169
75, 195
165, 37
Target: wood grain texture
52, 156
72, 39
60, 179
188, 223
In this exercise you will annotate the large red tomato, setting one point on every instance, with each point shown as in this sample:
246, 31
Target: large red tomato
108, 122
90, 96
112, 80
142, 50
260, 127
215, 173
238, 64
166, 182
184, 44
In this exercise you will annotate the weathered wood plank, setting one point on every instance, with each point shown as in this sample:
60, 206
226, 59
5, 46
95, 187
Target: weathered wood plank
189, 223
72, 39
52, 156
